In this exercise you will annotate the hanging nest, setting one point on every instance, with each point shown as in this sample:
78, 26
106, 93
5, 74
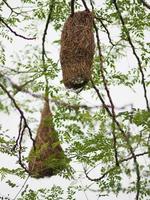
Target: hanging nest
47, 159
77, 49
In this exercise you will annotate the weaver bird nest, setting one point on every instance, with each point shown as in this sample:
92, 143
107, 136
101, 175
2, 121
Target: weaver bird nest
77, 49
47, 159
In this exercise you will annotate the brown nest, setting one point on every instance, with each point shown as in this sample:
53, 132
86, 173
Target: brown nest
48, 158
77, 49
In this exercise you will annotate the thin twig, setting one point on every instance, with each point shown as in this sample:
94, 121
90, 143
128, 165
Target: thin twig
112, 114
18, 108
20, 150
125, 137
51, 6
115, 142
107, 31
23, 125
113, 168
135, 54
72, 7
113, 117
84, 3
102, 23
101, 65
21, 187
15, 33
145, 4
45, 33
107, 91
84, 191
20, 88
17, 71
143, 84
12, 10
19, 134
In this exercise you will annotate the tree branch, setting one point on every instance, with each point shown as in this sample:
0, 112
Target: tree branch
72, 7
125, 137
45, 33
12, 10
113, 114
84, 3
113, 168
23, 125
43, 46
113, 122
107, 31
20, 88
145, 4
102, 23
106, 87
15, 33
134, 53
16, 196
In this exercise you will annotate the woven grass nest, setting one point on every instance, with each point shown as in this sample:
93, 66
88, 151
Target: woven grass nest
77, 49
48, 158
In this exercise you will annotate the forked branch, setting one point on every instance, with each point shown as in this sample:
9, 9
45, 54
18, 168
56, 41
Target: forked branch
23, 125
72, 3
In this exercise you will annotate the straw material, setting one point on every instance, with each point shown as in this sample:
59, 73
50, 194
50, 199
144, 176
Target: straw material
77, 49
48, 158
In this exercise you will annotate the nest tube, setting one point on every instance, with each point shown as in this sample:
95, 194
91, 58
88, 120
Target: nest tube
48, 158
77, 49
